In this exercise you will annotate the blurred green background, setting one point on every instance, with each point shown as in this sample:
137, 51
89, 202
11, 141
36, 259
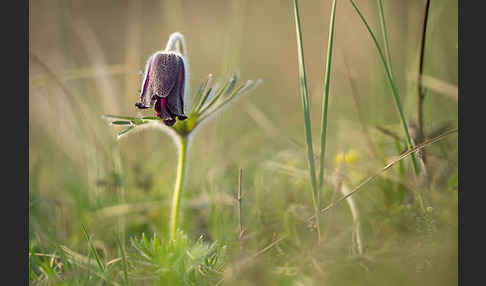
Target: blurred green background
85, 61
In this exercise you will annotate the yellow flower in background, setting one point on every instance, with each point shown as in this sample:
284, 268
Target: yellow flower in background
346, 157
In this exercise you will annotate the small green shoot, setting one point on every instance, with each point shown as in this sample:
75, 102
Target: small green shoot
93, 249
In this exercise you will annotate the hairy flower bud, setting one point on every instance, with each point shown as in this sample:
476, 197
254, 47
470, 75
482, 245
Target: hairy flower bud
163, 86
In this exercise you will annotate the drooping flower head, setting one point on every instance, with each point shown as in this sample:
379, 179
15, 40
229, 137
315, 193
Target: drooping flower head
165, 81
165, 88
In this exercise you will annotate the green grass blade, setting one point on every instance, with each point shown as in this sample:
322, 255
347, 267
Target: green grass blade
396, 96
326, 96
124, 261
385, 37
307, 120
93, 250
124, 131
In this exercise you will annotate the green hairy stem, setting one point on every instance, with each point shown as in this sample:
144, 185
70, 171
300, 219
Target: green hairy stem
176, 196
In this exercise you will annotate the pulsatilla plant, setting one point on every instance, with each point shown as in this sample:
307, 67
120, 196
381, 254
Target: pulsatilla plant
164, 85
165, 88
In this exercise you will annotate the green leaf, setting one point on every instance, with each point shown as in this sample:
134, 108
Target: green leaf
231, 86
98, 260
125, 130
203, 100
326, 96
197, 99
137, 121
150, 118
202, 95
394, 87
307, 119
124, 261
121, 122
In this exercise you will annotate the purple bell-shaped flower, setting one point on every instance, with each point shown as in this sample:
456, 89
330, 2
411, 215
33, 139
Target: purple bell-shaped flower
165, 83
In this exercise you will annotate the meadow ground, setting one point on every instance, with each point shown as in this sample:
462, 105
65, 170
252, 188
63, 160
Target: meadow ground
100, 207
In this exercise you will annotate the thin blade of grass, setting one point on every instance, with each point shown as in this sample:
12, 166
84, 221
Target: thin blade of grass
124, 261
307, 120
93, 250
385, 41
385, 37
76, 258
396, 96
326, 96
125, 131
85, 263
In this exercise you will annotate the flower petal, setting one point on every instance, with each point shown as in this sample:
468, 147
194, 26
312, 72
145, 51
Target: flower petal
175, 101
146, 101
163, 112
164, 73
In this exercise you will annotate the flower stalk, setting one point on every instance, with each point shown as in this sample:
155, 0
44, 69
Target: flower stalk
183, 146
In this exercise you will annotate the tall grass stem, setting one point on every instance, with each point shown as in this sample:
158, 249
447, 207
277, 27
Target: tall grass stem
240, 225
389, 65
307, 120
326, 96
396, 96
385, 37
